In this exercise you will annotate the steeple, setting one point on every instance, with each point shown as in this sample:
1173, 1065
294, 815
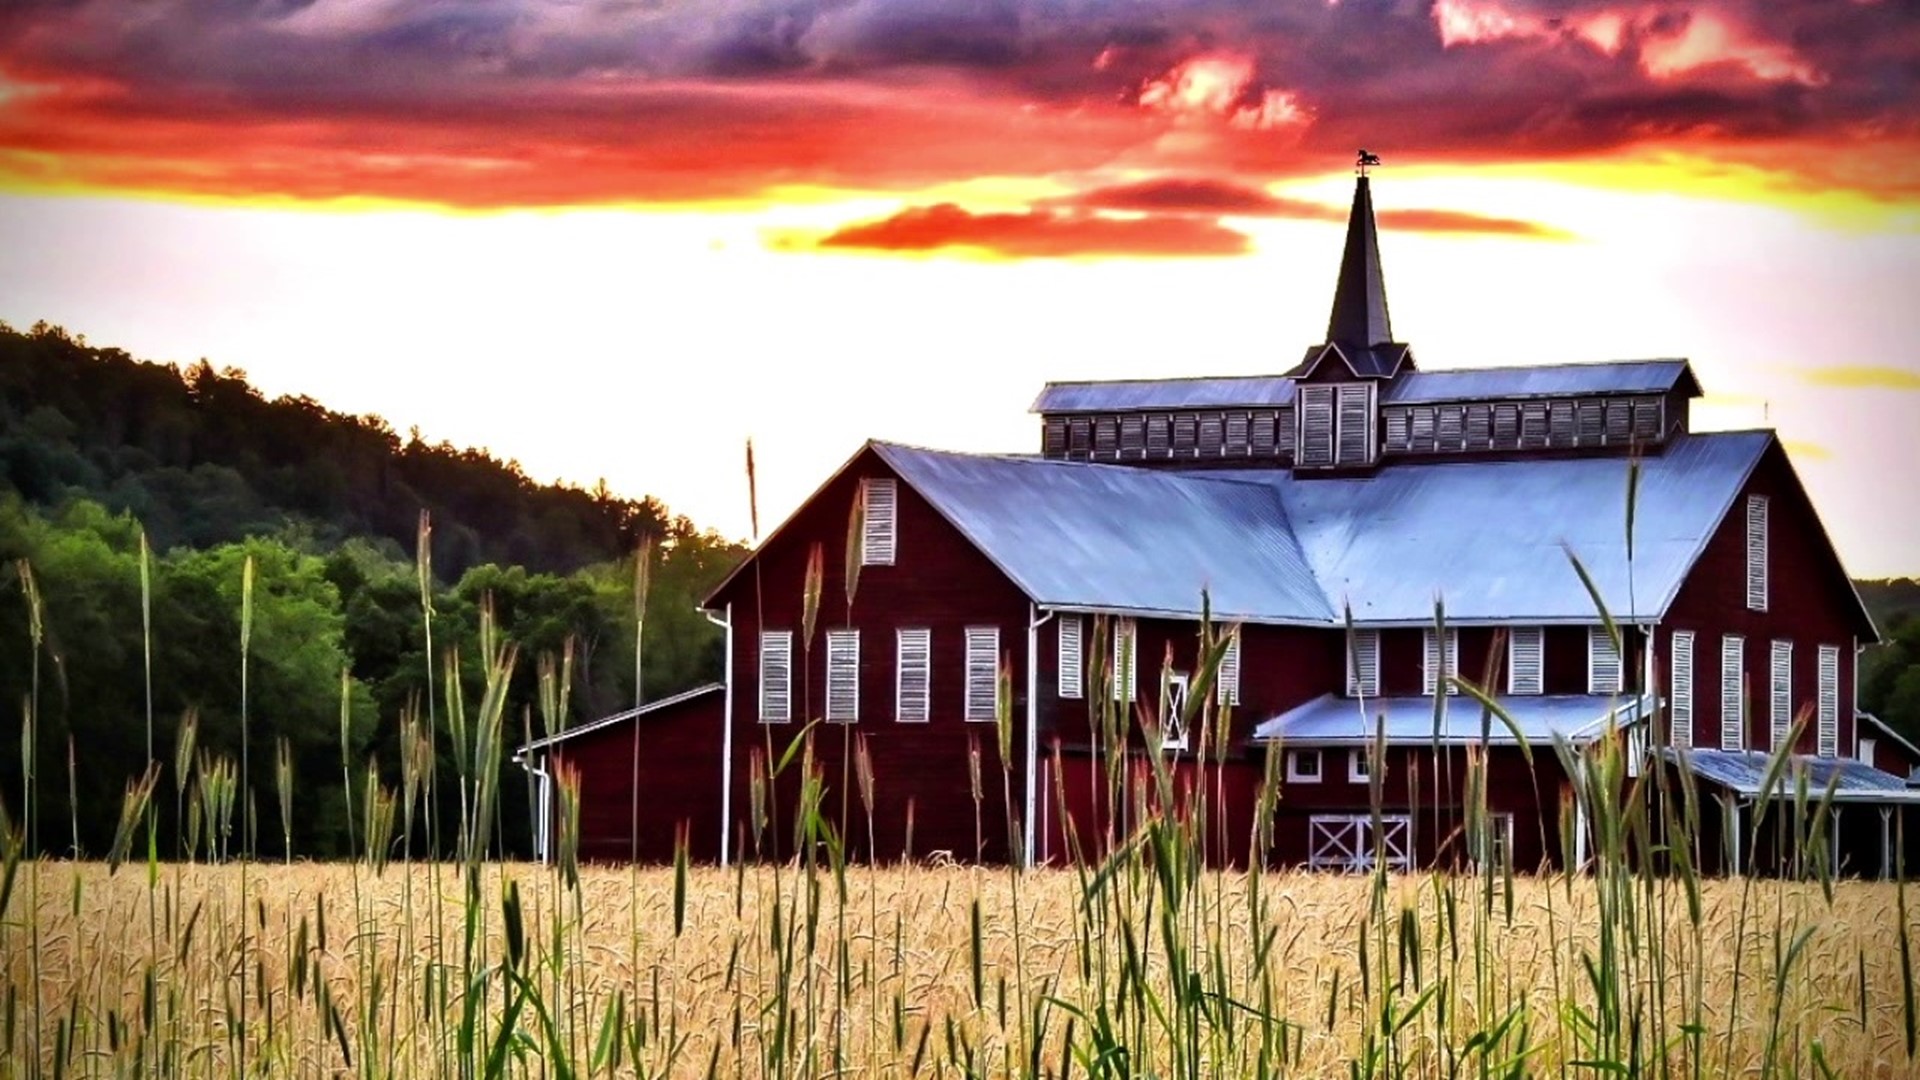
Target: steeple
1360, 298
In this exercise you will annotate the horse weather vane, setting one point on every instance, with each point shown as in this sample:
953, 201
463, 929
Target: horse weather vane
1366, 160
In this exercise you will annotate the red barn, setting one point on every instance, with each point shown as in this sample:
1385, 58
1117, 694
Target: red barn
1362, 532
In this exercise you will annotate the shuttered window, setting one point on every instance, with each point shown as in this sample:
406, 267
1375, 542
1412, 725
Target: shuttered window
1533, 424
776, 676
1213, 434
1079, 437
1106, 437
1053, 440
1526, 660
843, 676
1603, 662
1363, 664
1431, 670
1316, 425
1398, 437
1186, 429
1780, 693
1126, 661
983, 672
1237, 434
1226, 681
1073, 659
1283, 431
1646, 418
1480, 426
880, 500
1619, 422
1133, 436
1266, 428
1453, 427
1422, 439
1757, 552
1560, 430
1829, 701
1356, 424
1159, 435
1680, 689
1592, 422
913, 675
1506, 426
1733, 696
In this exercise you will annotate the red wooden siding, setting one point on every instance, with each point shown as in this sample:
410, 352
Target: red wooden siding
679, 781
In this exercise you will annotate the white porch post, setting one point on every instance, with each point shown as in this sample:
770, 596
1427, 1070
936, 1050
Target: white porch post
1886, 842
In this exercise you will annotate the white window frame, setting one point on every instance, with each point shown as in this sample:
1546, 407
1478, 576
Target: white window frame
843, 676
983, 674
912, 653
1780, 692
1524, 644
1173, 701
1226, 681
1298, 775
1363, 663
880, 520
1680, 689
1126, 661
776, 676
1599, 645
1829, 701
1733, 692
1757, 584
1324, 830
1431, 661
1358, 759
1071, 657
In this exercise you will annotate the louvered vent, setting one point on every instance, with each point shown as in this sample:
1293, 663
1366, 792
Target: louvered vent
1363, 664
1072, 675
913, 675
1526, 660
1733, 697
776, 676
1126, 661
881, 499
1829, 703
1603, 662
1780, 693
1680, 691
1431, 669
1316, 426
843, 676
1227, 679
1356, 424
1757, 552
983, 672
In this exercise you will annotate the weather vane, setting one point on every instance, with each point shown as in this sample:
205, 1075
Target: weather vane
1365, 161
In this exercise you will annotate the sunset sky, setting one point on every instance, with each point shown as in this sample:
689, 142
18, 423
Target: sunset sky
617, 239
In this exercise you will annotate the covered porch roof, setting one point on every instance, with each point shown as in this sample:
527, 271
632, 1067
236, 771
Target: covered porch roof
1332, 720
1744, 773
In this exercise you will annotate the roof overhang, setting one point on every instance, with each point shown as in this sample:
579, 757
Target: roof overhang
636, 715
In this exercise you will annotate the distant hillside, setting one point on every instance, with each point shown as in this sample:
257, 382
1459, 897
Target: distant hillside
201, 457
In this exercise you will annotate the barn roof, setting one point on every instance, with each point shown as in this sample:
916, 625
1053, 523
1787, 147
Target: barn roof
1541, 380
1128, 395
1329, 720
1491, 538
1744, 772
618, 718
1112, 538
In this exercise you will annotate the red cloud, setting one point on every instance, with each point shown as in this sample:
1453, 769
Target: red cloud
1042, 233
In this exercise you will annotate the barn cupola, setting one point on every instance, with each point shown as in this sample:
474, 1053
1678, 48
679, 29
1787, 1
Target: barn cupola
1337, 384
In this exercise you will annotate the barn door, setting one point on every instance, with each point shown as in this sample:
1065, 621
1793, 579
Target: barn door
1346, 842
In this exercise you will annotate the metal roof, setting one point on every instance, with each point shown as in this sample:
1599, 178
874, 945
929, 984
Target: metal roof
1543, 380
1745, 771
1249, 391
1333, 720
1108, 537
1487, 536
617, 718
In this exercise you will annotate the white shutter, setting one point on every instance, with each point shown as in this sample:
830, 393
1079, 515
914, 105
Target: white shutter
1072, 675
1780, 693
1126, 661
1316, 425
1431, 668
1356, 424
1603, 662
1829, 703
913, 675
843, 676
1363, 664
983, 671
1226, 681
1733, 698
1757, 552
1680, 689
1526, 660
776, 676
877, 542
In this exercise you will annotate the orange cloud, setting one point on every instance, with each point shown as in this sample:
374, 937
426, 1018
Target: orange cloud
1211, 196
1042, 233
1220, 86
1864, 377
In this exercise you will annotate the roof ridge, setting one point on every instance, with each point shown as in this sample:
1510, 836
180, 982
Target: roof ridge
1163, 379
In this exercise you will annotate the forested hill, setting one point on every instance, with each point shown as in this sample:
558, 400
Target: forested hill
100, 452
201, 457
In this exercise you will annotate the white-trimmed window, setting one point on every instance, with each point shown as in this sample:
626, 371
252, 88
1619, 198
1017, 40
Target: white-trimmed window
776, 676
1173, 712
1316, 425
1780, 693
1757, 552
1303, 766
1680, 690
1363, 663
1073, 663
879, 503
1126, 661
1603, 662
1733, 692
913, 675
1526, 660
1226, 681
1431, 662
1829, 701
843, 676
1360, 765
983, 672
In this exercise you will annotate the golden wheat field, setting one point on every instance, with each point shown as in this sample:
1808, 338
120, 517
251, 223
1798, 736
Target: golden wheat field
937, 971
